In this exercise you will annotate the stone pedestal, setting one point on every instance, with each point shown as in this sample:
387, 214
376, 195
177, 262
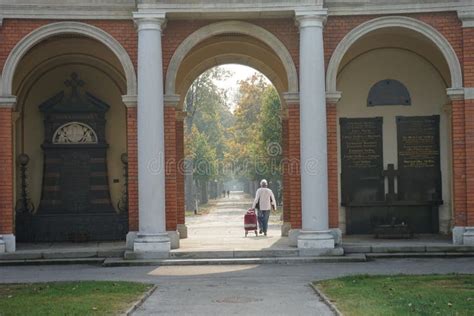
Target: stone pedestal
183, 231
130, 239
285, 229
174, 239
7, 243
468, 236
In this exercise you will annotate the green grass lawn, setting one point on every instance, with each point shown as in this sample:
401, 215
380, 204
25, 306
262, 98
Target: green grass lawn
401, 294
69, 298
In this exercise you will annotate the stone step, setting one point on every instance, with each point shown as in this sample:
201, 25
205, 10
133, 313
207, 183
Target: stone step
61, 254
381, 255
52, 261
116, 262
406, 248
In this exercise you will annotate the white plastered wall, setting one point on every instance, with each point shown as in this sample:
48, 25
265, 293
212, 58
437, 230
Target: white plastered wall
428, 95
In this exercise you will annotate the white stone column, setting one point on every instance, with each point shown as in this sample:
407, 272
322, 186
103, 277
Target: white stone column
152, 239
315, 237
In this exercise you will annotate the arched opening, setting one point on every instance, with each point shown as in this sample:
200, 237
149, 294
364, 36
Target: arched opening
219, 44
394, 158
232, 132
70, 121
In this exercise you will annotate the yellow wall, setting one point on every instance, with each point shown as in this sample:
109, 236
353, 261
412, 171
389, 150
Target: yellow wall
428, 94
42, 75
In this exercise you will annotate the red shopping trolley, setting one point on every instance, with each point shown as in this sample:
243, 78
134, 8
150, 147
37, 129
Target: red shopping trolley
250, 221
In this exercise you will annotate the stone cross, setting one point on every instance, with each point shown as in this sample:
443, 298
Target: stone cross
390, 173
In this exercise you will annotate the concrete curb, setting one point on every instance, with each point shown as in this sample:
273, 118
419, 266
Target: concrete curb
231, 261
326, 300
141, 300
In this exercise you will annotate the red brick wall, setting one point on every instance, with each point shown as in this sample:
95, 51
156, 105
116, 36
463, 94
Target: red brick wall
294, 158
6, 172
333, 193
12, 31
132, 150
459, 163
170, 168
468, 46
180, 171
285, 172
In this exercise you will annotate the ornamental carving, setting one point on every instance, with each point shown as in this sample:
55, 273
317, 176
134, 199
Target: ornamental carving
75, 133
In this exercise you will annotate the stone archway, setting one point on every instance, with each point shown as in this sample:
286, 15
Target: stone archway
58, 28
439, 58
191, 59
400, 22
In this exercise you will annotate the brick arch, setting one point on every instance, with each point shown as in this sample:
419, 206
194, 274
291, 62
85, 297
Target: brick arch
53, 29
238, 27
394, 21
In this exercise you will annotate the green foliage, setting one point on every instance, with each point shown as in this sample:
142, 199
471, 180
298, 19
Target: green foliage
245, 144
69, 298
402, 295
203, 154
256, 147
208, 118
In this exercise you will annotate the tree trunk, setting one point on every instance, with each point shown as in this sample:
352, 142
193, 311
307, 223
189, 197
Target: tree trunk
190, 195
204, 194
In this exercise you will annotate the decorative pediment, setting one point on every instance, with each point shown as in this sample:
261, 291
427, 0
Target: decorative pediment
75, 133
73, 99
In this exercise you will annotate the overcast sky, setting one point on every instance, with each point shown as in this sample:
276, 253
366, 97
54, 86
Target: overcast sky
231, 84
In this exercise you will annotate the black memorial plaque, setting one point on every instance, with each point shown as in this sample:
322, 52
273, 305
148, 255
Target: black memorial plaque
418, 158
361, 160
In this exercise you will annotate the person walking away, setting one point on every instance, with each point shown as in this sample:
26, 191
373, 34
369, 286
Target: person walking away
264, 202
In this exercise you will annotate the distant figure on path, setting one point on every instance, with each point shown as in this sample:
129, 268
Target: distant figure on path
228, 193
264, 202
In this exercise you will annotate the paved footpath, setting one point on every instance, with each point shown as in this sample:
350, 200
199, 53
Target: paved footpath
272, 289
234, 290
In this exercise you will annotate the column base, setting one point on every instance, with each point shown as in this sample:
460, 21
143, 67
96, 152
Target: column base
174, 239
468, 236
285, 229
147, 246
183, 231
7, 243
316, 240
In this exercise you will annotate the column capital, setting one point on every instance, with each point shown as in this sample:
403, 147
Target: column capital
291, 97
150, 20
455, 94
311, 18
130, 101
467, 17
333, 96
7, 102
172, 100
